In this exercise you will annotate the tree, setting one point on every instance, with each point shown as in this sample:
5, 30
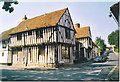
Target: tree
113, 38
7, 5
101, 45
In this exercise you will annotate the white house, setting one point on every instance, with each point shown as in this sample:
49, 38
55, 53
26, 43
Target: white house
5, 53
47, 40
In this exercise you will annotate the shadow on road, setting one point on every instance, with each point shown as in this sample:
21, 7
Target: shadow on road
113, 60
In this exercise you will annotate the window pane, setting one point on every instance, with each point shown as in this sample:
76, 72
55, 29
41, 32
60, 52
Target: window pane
38, 33
67, 32
19, 36
2, 54
3, 44
30, 33
65, 52
41, 33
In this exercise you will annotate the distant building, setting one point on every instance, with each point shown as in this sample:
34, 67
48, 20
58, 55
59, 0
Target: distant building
47, 40
84, 36
111, 47
79, 52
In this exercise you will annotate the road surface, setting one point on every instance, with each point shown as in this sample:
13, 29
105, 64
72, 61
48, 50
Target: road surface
92, 71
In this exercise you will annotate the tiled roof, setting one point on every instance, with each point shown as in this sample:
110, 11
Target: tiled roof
82, 32
46, 20
5, 35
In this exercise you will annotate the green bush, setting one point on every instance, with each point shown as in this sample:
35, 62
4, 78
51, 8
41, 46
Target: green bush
116, 50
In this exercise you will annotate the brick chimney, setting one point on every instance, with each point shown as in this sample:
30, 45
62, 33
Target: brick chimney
25, 18
77, 25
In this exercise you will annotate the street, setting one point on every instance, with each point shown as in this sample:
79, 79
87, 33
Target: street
92, 71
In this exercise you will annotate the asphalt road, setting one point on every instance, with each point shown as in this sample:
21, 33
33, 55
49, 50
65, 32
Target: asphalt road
93, 71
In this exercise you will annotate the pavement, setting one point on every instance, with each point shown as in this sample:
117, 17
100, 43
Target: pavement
15, 67
25, 68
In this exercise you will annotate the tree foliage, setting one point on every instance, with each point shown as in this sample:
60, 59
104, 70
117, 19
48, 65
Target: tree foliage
7, 5
101, 44
113, 38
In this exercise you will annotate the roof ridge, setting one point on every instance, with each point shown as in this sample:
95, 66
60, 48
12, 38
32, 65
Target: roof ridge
85, 27
82, 32
44, 20
46, 14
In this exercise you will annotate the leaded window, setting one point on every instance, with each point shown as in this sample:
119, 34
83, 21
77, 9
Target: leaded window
19, 36
67, 32
39, 33
65, 52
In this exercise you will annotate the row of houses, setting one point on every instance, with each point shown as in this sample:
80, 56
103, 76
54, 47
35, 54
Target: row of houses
49, 40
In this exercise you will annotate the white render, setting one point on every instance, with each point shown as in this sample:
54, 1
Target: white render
5, 55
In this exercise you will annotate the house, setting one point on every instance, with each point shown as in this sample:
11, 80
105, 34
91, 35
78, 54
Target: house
5, 53
47, 40
79, 52
94, 50
84, 36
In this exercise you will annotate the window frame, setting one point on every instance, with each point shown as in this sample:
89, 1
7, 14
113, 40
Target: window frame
66, 52
39, 33
4, 44
2, 54
19, 36
67, 33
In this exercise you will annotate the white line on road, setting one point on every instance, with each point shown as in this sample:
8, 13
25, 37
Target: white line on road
107, 78
92, 72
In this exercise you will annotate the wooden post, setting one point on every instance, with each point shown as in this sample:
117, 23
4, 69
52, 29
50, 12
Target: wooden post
56, 48
27, 56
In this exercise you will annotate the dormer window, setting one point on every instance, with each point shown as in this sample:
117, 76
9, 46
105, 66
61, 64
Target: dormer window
30, 33
39, 33
19, 36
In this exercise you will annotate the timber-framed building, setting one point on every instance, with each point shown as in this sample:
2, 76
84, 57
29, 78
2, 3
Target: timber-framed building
84, 36
47, 40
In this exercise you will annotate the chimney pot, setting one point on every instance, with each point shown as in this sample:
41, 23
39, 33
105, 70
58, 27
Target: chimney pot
25, 18
77, 25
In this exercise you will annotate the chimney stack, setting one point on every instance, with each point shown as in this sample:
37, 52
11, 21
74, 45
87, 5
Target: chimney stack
77, 25
25, 18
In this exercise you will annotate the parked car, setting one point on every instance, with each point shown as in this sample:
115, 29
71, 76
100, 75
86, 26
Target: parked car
106, 53
104, 58
111, 51
98, 59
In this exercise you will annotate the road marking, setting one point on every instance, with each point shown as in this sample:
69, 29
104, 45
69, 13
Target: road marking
101, 62
92, 72
110, 73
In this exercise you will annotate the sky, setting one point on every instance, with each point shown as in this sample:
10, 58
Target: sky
93, 14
